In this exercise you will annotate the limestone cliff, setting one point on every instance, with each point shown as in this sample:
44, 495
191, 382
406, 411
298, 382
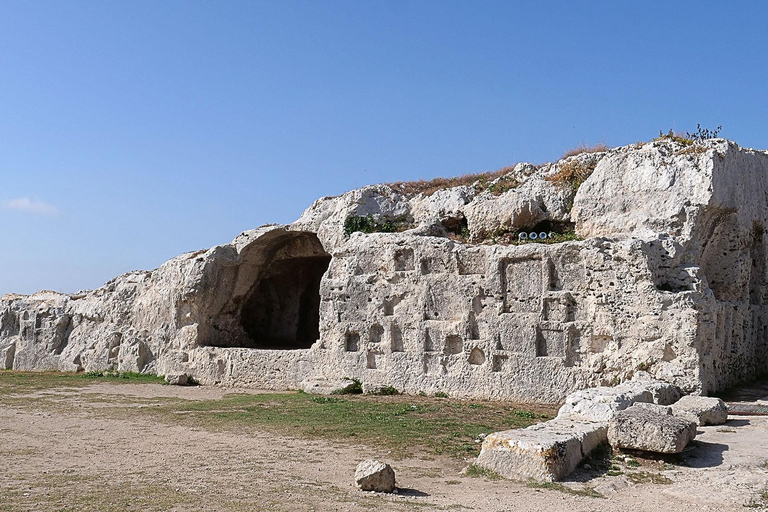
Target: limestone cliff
666, 275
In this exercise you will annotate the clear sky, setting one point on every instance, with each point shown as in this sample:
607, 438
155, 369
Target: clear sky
133, 131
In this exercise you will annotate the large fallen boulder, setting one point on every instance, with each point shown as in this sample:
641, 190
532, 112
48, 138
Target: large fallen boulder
643, 428
374, 475
547, 451
702, 410
601, 403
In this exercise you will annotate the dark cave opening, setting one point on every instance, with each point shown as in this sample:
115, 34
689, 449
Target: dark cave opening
283, 309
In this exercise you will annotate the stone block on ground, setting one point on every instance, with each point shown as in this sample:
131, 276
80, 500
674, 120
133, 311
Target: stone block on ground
374, 475
177, 379
548, 451
702, 410
642, 428
601, 403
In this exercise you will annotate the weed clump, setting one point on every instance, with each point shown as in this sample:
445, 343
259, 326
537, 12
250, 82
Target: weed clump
367, 224
584, 148
386, 391
572, 173
355, 387
475, 471
497, 182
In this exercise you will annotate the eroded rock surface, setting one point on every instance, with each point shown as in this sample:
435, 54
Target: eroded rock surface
642, 428
669, 280
374, 475
702, 410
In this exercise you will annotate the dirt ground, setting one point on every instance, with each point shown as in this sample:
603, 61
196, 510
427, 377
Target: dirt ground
74, 456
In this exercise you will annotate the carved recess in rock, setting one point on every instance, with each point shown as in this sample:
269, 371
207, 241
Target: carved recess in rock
671, 281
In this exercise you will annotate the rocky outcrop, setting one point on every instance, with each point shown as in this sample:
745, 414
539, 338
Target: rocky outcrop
664, 276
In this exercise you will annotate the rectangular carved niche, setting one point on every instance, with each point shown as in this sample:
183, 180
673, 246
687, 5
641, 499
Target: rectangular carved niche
352, 342
559, 309
522, 285
470, 262
404, 259
551, 343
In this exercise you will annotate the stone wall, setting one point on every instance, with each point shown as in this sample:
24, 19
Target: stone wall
670, 280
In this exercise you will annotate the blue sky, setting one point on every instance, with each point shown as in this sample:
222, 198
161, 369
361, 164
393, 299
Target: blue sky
133, 131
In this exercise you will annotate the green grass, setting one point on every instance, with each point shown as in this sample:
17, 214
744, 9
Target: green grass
401, 424
17, 381
476, 471
643, 477
396, 423
555, 486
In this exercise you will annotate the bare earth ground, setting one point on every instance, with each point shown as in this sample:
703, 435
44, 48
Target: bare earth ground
64, 448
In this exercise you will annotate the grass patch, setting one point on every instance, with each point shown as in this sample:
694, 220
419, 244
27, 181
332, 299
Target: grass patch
18, 381
643, 477
554, 486
395, 423
496, 182
584, 148
367, 224
355, 387
404, 425
475, 471
572, 173
132, 376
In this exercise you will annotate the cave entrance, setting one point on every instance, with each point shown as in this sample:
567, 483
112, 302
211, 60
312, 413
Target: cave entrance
282, 308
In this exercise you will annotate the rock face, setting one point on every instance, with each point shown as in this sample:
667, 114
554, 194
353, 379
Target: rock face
669, 280
702, 410
642, 428
373, 475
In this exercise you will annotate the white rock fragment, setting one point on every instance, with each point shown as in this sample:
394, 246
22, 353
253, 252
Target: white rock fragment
702, 410
374, 475
176, 379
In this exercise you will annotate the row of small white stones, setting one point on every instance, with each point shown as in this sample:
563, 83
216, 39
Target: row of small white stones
533, 235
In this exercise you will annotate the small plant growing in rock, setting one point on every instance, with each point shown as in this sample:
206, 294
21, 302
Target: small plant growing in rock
572, 173
441, 394
703, 133
675, 137
386, 390
355, 387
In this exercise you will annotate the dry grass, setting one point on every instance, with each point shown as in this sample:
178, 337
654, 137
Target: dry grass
584, 148
572, 173
428, 187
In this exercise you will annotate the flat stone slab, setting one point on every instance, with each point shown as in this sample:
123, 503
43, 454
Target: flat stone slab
702, 410
548, 451
643, 428
601, 403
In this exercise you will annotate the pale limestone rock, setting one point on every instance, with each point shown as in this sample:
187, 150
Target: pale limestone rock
663, 410
7, 353
672, 285
601, 403
374, 475
176, 379
642, 428
702, 410
547, 451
